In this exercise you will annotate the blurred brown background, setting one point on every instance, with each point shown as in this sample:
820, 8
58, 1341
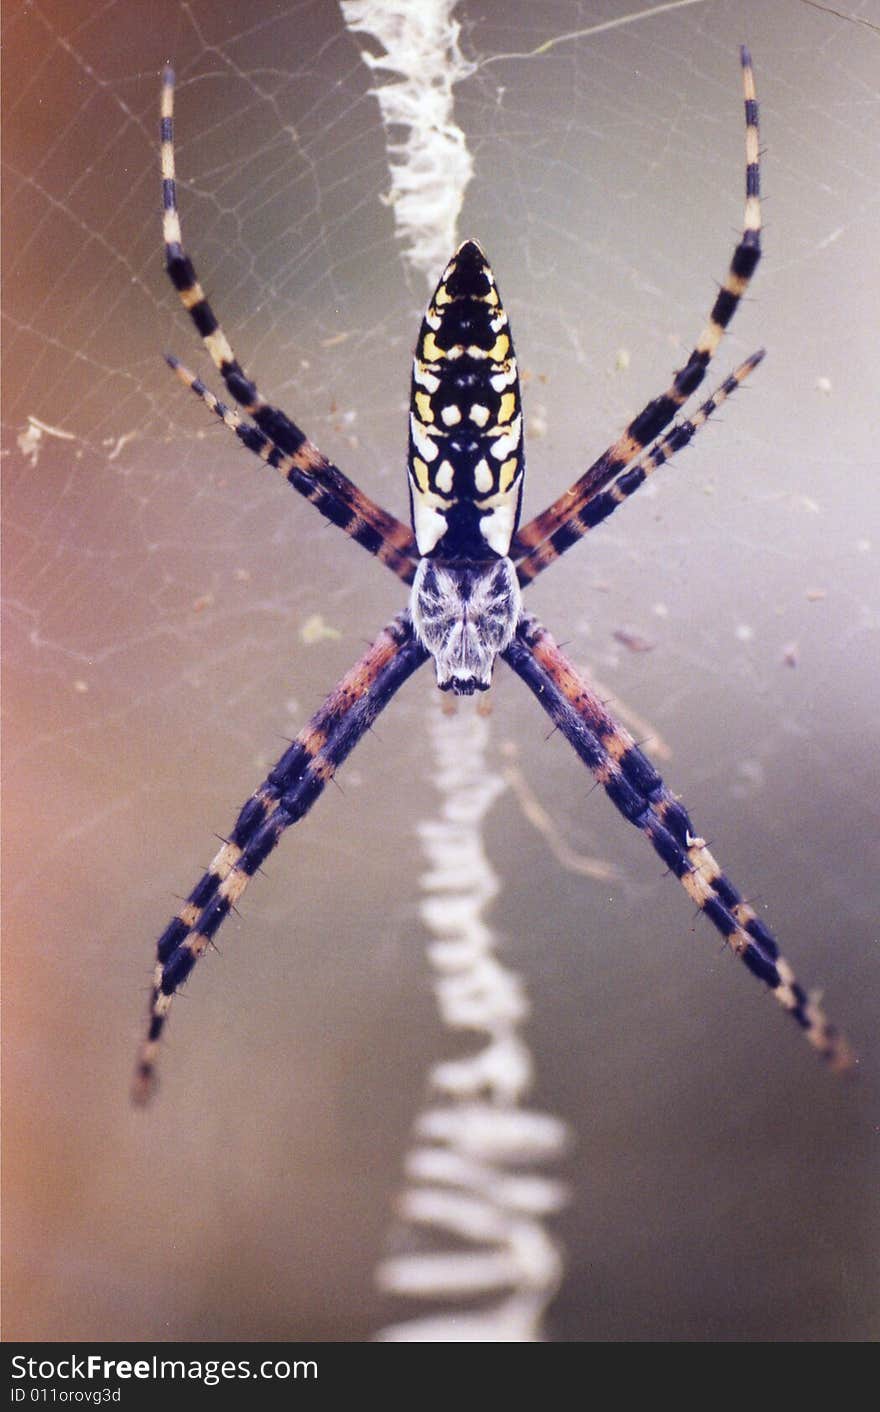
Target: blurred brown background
157, 586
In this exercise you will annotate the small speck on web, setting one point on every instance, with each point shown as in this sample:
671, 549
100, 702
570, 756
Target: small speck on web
314, 629
633, 641
537, 423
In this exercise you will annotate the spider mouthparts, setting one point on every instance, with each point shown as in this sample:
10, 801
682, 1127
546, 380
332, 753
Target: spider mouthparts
464, 686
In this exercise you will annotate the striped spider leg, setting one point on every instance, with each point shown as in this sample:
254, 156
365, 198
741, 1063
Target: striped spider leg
306, 468
658, 413
637, 791
467, 566
363, 521
288, 792
602, 503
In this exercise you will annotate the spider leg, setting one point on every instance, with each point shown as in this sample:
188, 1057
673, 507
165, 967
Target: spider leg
274, 423
601, 505
637, 791
659, 413
288, 792
372, 529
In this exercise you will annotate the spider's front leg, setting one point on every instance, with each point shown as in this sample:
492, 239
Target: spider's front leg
637, 791
288, 792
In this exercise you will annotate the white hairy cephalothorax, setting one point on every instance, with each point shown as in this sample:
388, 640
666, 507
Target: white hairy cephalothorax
465, 615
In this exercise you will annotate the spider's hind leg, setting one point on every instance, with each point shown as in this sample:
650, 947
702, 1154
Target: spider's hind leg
656, 416
306, 467
604, 502
182, 274
181, 271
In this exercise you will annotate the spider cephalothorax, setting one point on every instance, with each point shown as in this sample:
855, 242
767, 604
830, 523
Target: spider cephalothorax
467, 561
465, 614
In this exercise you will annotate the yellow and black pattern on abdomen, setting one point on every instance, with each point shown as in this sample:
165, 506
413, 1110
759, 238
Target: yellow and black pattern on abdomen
466, 459
639, 794
288, 792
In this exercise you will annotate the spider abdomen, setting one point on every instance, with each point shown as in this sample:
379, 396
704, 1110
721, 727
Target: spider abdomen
466, 459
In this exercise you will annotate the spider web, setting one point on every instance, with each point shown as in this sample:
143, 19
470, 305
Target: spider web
172, 612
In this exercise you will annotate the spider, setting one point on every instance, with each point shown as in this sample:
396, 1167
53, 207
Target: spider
467, 560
